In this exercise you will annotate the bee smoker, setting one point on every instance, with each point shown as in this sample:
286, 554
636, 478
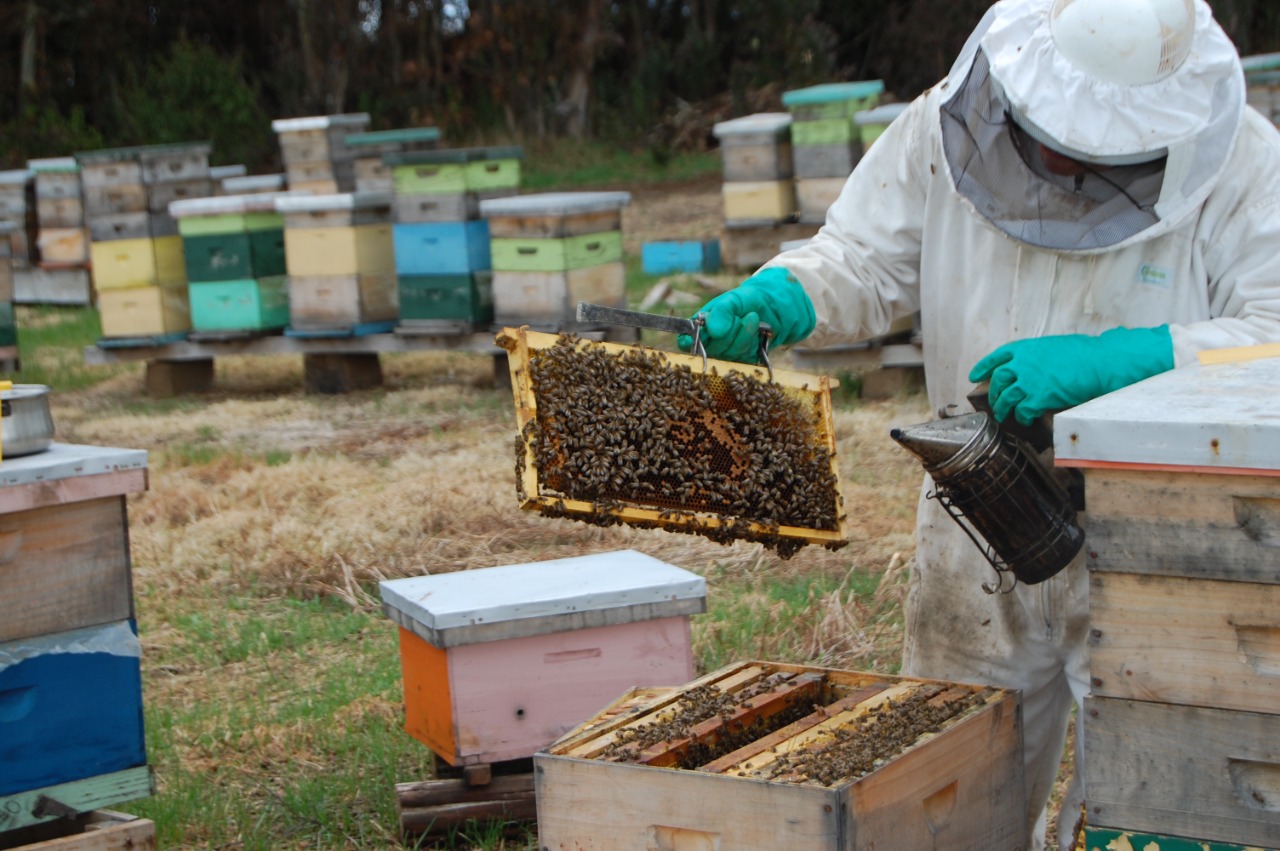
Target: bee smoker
994, 486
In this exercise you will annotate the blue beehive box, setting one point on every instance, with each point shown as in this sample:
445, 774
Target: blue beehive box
441, 248
661, 258
70, 706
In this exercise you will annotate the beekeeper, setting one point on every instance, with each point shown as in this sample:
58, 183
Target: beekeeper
1083, 202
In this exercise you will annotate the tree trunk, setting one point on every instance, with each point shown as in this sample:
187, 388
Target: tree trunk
577, 97
27, 63
311, 69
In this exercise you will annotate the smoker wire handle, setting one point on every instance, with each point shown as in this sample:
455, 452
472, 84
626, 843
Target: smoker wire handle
1002, 568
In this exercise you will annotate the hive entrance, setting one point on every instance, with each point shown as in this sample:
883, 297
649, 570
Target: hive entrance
618, 434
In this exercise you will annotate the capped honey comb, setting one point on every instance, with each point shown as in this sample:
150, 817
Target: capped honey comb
610, 434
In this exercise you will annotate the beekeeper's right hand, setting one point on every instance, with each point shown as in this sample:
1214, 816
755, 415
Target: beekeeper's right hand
772, 296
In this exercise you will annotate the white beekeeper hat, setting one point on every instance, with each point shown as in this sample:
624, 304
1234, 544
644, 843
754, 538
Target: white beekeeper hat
1116, 83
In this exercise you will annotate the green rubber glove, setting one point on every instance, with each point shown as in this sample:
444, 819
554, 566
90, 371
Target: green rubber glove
772, 296
1032, 377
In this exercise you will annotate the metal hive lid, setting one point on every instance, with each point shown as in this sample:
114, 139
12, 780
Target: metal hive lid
519, 600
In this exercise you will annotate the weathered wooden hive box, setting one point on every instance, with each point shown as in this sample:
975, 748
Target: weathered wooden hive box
315, 151
755, 147
766, 756
551, 250
340, 259
1182, 484
372, 173
611, 433
500, 662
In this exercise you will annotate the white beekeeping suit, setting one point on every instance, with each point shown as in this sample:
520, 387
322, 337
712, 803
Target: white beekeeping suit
1170, 217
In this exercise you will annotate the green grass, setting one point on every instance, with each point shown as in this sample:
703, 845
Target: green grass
572, 165
51, 343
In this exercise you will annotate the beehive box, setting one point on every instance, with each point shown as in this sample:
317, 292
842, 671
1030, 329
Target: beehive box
765, 756
755, 147
873, 122
319, 302
441, 248
339, 234
759, 202
1108, 839
814, 196
148, 311
611, 433
1182, 479
56, 178
459, 302
97, 830
549, 300
251, 304
664, 257
500, 662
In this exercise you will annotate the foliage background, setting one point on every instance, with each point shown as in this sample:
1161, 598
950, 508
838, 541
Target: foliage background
80, 74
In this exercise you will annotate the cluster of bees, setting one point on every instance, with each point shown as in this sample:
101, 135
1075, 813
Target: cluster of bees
632, 428
699, 704
885, 731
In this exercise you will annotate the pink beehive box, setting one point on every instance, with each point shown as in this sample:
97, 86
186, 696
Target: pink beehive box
500, 662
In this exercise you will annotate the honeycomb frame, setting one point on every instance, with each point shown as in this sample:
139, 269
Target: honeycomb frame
811, 394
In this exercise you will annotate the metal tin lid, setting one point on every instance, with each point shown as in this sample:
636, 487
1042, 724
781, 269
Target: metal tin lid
767, 123
880, 115
1260, 62
1218, 416
155, 152
554, 203
394, 137
254, 182
320, 122
16, 177
66, 460
225, 205
520, 600
222, 172
437, 157
832, 92
54, 165
291, 202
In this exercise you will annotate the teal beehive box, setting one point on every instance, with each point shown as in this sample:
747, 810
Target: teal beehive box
252, 304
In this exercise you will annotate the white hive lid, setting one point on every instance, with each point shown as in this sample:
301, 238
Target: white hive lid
1221, 416
16, 177
292, 202
761, 123
253, 182
320, 122
66, 460
515, 601
554, 203
229, 205
883, 114
222, 172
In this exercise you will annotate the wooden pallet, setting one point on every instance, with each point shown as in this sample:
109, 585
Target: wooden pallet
100, 830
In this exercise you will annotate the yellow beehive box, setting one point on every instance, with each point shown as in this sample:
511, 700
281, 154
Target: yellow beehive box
610, 433
759, 200
761, 756
144, 311
170, 260
121, 263
357, 250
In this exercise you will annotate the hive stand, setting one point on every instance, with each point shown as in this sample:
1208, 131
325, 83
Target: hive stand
502, 791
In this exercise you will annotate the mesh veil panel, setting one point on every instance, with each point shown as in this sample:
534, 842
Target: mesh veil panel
996, 165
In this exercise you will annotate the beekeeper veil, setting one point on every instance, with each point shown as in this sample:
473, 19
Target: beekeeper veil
1146, 96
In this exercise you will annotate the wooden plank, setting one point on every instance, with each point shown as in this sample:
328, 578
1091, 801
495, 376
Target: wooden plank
1183, 770
65, 567
757, 709
729, 762
50, 492
430, 793
1212, 526
100, 830
81, 796
1186, 641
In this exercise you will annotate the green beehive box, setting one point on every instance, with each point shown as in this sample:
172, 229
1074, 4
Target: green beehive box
513, 254
494, 168
8, 325
234, 256
403, 139
229, 223
250, 304
1107, 839
466, 298
441, 172
832, 100
825, 131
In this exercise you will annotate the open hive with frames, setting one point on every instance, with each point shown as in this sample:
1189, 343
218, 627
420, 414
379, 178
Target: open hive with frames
612, 433
767, 755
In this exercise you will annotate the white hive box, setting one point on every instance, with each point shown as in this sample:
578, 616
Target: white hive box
500, 662
1182, 488
756, 147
